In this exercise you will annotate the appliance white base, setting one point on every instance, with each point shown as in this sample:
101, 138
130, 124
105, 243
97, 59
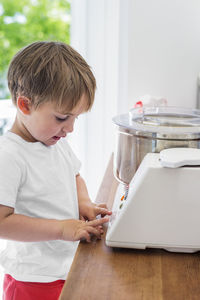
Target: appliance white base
162, 209
174, 248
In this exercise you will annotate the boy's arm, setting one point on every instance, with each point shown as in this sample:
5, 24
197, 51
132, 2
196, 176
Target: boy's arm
23, 228
87, 209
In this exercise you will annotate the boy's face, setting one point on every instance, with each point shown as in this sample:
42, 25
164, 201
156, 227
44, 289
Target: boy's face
47, 125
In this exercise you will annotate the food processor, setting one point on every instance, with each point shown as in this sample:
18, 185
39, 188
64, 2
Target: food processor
157, 162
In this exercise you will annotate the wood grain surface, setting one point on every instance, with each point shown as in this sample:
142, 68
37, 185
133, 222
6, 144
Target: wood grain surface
103, 273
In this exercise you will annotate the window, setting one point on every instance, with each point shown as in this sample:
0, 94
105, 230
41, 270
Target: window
23, 22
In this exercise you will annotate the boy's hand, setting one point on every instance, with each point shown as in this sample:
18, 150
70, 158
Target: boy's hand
75, 230
89, 210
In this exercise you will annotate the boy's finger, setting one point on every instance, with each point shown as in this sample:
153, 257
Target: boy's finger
102, 211
93, 231
98, 221
102, 205
85, 236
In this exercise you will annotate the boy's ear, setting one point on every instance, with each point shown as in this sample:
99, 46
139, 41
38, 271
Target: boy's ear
24, 104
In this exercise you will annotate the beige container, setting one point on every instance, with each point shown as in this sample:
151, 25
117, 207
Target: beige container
152, 129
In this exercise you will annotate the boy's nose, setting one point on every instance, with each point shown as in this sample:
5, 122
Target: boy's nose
68, 127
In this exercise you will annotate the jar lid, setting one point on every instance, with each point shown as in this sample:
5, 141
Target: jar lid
164, 119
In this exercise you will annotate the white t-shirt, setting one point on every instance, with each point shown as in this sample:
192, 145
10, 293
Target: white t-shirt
38, 181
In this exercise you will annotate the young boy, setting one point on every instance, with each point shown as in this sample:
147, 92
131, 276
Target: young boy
44, 204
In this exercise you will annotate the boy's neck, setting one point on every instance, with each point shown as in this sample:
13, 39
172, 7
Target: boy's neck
19, 129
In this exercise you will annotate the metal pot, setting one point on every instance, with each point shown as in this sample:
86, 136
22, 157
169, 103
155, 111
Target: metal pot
152, 129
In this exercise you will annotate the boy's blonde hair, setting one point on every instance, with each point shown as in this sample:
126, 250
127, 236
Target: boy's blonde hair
51, 71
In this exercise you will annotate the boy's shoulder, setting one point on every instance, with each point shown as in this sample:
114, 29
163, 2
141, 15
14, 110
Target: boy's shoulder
9, 149
67, 149
64, 144
10, 158
5, 143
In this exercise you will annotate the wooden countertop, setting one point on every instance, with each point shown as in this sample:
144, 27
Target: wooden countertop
99, 272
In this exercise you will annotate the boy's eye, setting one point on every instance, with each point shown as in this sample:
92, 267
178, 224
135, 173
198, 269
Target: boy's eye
62, 119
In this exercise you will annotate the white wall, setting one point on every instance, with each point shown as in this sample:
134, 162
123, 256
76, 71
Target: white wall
164, 50
135, 47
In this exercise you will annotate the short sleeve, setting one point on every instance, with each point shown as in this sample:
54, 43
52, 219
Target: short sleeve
10, 179
74, 160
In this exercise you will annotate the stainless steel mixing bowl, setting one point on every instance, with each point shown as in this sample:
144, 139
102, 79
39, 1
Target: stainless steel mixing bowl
152, 129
